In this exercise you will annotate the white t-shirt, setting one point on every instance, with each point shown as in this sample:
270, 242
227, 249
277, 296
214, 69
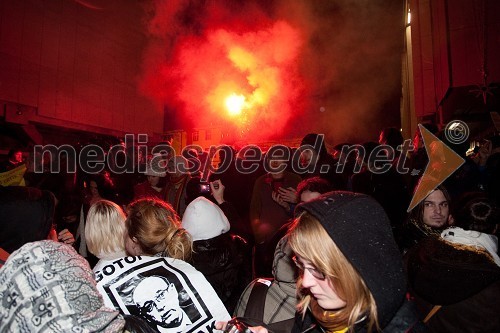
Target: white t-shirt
169, 293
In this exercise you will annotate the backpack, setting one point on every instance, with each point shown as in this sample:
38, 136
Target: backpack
256, 306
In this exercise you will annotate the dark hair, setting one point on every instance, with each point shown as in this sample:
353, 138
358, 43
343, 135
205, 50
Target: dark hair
13, 152
392, 136
495, 141
339, 146
162, 182
431, 127
314, 184
417, 214
310, 139
105, 186
474, 211
134, 324
369, 147
27, 215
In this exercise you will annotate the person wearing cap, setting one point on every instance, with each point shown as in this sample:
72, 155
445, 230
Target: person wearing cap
351, 276
153, 187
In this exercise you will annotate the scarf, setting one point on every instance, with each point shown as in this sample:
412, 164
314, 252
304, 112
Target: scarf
325, 318
473, 238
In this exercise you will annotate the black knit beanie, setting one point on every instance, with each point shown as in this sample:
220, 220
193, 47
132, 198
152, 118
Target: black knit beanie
361, 230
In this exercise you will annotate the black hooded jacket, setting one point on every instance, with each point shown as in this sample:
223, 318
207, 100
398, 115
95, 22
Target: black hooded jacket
361, 229
224, 260
464, 282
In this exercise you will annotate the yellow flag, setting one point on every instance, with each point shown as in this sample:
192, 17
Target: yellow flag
13, 177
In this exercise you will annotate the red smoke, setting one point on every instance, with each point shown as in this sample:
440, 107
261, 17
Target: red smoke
259, 62
325, 66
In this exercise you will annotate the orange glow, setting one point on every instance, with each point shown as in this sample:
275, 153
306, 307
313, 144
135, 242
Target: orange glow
243, 80
235, 104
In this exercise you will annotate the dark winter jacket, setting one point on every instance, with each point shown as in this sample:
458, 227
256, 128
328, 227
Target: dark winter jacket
225, 262
466, 283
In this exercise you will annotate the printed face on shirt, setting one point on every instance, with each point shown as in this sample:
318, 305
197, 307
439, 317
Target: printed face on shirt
158, 301
436, 210
320, 288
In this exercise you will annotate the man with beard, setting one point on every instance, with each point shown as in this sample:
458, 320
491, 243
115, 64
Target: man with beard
430, 217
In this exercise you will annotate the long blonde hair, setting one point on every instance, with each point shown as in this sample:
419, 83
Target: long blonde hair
157, 229
105, 228
309, 240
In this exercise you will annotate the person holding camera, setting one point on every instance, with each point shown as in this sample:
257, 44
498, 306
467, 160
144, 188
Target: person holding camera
351, 276
267, 215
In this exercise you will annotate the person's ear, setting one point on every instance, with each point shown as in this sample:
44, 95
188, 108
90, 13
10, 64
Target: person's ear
136, 246
451, 220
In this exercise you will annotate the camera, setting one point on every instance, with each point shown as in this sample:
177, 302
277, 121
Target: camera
204, 188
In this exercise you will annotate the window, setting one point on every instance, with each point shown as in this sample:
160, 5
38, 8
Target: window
196, 135
208, 134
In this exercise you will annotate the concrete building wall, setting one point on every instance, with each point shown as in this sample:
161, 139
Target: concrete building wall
76, 63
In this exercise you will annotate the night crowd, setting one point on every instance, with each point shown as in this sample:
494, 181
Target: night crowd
329, 248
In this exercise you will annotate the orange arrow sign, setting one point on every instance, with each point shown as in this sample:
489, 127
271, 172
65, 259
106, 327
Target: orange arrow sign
443, 161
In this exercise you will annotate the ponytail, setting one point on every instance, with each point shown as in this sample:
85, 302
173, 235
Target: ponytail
179, 245
157, 228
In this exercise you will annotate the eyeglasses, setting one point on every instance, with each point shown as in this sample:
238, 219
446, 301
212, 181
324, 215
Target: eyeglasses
314, 272
157, 299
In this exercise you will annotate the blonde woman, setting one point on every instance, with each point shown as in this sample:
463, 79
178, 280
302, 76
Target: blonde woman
154, 281
351, 272
153, 228
105, 231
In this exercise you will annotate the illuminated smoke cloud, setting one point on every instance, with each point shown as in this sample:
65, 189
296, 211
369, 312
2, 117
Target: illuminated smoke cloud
325, 66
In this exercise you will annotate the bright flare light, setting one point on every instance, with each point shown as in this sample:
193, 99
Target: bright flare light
235, 103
